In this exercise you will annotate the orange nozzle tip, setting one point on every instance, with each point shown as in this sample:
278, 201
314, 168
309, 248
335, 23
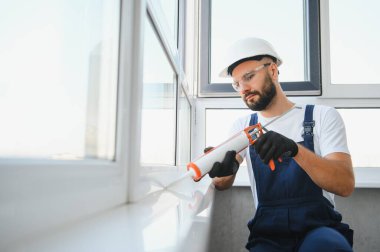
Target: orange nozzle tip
197, 171
271, 165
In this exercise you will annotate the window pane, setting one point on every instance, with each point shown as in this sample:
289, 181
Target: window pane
219, 123
354, 42
170, 10
184, 127
362, 135
280, 22
58, 78
159, 104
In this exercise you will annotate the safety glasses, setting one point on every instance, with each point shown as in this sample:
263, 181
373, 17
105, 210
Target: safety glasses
238, 85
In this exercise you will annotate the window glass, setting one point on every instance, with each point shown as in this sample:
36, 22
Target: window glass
219, 123
159, 103
362, 135
170, 10
354, 41
58, 78
184, 127
280, 22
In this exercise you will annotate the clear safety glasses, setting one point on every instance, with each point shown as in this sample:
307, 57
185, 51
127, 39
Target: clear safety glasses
238, 85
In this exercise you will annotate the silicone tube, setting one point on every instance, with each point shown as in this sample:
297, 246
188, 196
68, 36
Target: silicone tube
204, 163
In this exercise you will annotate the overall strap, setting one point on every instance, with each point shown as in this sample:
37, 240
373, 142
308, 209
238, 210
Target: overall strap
308, 125
253, 120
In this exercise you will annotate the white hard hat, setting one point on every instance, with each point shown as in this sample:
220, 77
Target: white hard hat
246, 48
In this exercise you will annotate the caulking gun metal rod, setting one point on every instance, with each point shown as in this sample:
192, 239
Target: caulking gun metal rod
275, 119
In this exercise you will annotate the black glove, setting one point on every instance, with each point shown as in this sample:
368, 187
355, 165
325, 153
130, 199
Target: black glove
273, 145
228, 167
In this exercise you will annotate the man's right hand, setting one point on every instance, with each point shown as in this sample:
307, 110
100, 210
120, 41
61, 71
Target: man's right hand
229, 166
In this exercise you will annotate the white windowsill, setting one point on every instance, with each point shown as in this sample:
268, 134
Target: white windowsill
166, 220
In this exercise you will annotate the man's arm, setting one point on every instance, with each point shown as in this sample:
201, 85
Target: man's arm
333, 173
223, 183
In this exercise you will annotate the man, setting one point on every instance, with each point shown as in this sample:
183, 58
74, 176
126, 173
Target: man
295, 202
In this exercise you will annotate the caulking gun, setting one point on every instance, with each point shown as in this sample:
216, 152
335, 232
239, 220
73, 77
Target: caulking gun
202, 165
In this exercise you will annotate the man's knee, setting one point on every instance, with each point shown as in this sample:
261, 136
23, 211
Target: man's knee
324, 239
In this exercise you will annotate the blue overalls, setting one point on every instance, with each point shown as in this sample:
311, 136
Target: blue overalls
292, 213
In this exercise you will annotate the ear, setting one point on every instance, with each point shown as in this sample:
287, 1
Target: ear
273, 70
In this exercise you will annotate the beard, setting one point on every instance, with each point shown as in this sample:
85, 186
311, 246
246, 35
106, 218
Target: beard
265, 97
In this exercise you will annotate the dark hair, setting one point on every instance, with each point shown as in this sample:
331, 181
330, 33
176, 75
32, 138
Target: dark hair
257, 58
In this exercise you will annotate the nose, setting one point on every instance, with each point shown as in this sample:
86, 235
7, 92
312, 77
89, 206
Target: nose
245, 88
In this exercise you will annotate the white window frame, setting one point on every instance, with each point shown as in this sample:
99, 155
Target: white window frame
312, 56
354, 96
335, 90
174, 53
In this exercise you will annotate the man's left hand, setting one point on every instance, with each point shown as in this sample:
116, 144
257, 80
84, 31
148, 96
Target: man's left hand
273, 145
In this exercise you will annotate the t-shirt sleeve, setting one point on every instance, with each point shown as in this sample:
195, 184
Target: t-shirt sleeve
333, 133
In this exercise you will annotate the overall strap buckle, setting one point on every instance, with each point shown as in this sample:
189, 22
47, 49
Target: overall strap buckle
308, 125
308, 128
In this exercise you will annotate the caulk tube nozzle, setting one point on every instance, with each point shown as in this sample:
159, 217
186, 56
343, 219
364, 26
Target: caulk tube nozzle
189, 174
203, 164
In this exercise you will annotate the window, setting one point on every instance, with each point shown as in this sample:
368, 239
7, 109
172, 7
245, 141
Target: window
293, 33
217, 130
350, 49
159, 104
170, 10
219, 122
328, 37
58, 79
184, 130
361, 125
353, 44
164, 16
166, 112
60, 99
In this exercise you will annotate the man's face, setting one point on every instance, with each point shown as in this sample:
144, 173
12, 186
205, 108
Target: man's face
257, 90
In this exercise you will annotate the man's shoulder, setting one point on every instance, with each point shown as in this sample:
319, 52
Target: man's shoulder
325, 116
320, 107
324, 110
321, 111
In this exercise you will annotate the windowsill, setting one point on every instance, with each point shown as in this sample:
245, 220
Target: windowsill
165, 220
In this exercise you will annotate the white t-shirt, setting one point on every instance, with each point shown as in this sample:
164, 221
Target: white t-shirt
329, 134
